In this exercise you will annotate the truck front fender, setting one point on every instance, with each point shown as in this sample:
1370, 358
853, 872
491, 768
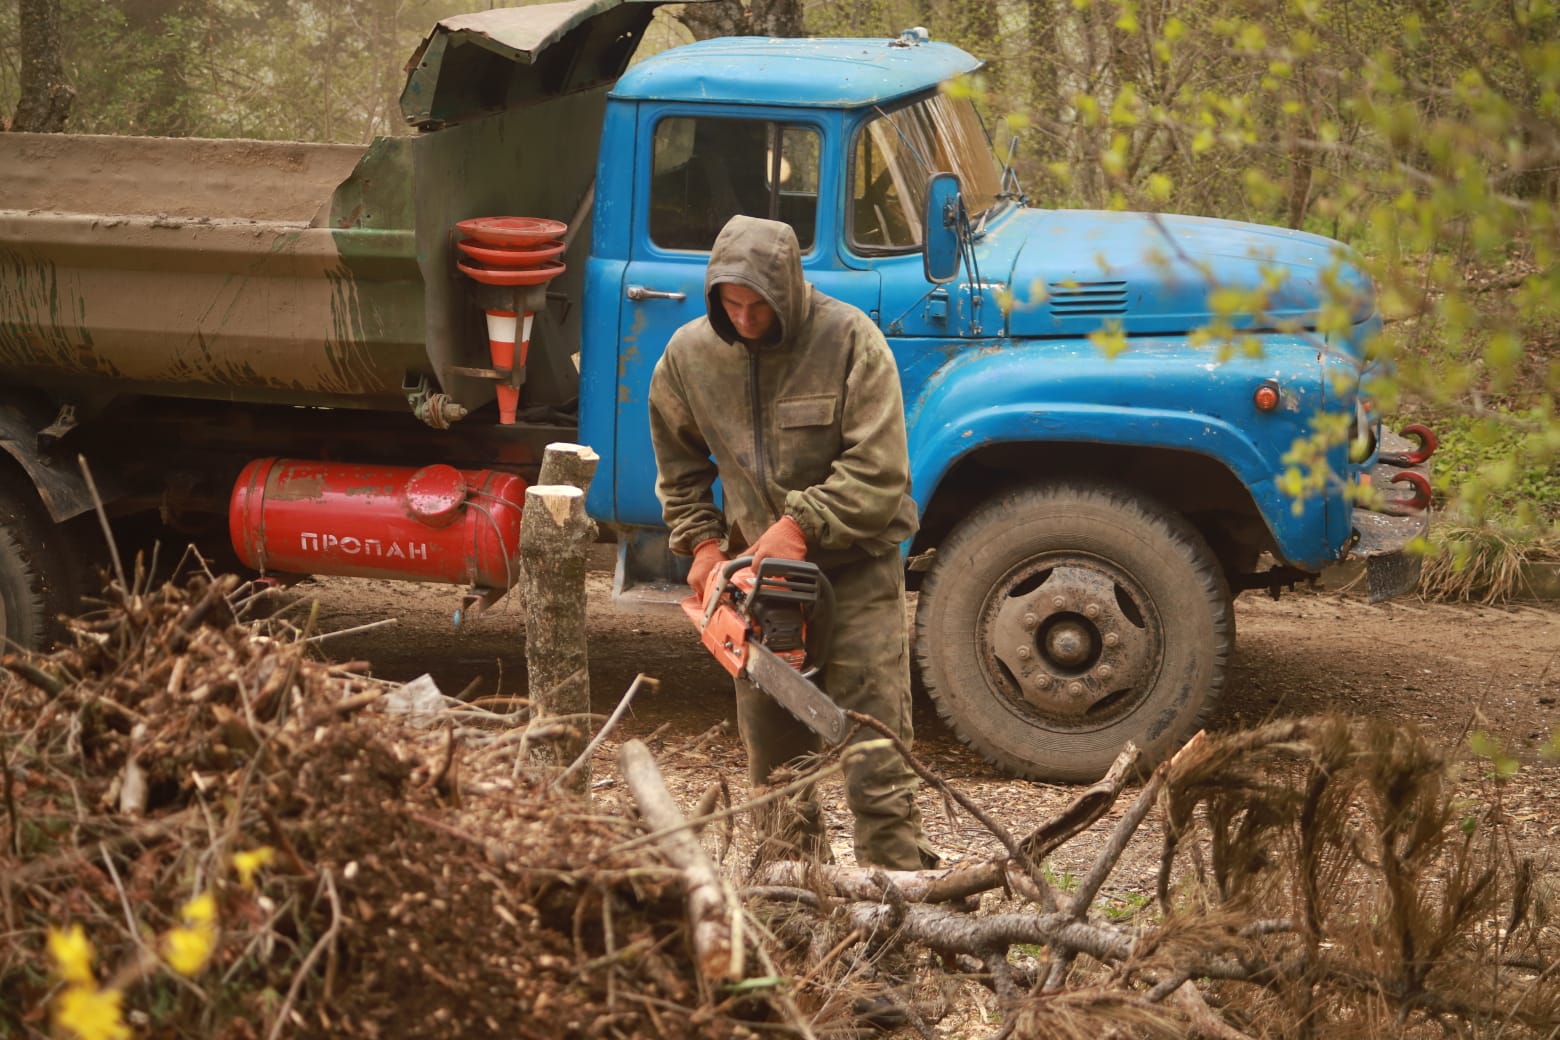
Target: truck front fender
1156, 398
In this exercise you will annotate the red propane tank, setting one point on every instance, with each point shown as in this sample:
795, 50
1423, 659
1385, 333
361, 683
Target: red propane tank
437, 523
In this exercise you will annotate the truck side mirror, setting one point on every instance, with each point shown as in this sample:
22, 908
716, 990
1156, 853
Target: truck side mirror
941, 228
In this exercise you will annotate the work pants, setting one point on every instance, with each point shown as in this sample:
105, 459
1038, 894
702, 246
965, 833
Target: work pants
867, 670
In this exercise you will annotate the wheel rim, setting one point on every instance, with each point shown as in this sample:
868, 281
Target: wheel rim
1072, 639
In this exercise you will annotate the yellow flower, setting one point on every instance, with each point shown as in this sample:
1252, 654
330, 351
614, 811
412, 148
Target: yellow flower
91, 1013
188, 949
202, 910
247, 864
189, 946
72, 954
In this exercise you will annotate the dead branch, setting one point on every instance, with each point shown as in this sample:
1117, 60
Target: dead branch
1205, 1021
712, 919
967, 879
987, 938
24, 669
773, 794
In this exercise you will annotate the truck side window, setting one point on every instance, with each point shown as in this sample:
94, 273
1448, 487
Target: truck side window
705, 171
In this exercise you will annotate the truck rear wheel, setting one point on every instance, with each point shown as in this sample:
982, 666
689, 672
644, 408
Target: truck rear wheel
1060, 622
37, 574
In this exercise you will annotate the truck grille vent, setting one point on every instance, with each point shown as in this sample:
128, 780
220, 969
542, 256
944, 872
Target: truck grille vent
1087, 299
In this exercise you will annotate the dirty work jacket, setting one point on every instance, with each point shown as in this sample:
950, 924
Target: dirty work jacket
810, 423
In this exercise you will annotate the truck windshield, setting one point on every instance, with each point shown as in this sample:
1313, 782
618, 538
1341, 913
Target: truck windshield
895, 156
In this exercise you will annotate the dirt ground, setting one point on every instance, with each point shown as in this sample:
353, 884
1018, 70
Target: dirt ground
1450, 670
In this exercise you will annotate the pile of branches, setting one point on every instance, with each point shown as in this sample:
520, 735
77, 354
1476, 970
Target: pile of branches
1315, 877
360, 888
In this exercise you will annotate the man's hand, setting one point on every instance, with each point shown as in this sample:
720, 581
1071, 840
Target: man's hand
707, 559
783, 541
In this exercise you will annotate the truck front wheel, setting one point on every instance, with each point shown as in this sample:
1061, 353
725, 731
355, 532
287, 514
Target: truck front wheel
37, 574
1060, 622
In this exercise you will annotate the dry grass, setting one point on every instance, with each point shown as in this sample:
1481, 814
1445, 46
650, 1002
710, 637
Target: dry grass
1484, 564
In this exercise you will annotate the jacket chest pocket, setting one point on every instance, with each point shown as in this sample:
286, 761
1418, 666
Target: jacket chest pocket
809, 438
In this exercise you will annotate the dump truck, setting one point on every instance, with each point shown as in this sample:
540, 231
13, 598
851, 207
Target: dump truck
295, 353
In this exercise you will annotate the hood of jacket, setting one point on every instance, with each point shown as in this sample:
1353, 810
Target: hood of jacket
761, 255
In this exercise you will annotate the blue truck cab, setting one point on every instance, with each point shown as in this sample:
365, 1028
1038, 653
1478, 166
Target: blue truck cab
1086, 514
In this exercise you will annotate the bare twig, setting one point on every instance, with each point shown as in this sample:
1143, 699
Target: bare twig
39, 868
793, 1014
102, 515
13, 841
801, 783
601, 734
354, 630
327, 942
1110, 855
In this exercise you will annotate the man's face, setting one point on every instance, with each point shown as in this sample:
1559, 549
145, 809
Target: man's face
749, 312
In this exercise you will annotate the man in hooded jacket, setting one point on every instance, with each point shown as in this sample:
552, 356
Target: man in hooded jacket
792, 399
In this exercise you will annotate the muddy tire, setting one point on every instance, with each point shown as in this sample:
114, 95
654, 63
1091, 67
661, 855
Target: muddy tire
39, 578
1060, 622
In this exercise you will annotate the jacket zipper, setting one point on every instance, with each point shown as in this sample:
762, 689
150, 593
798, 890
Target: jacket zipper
755, 399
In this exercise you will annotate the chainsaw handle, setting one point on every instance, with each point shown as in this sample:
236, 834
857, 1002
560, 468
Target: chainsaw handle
729, 568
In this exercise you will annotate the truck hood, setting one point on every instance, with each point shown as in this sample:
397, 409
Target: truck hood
1073, 272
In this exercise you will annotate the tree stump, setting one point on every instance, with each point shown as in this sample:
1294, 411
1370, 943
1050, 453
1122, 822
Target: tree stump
572, 464
554, 536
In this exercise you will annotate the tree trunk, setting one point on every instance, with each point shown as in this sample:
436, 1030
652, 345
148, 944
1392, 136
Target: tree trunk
1085, 67
554, 536
735, 18
45, 96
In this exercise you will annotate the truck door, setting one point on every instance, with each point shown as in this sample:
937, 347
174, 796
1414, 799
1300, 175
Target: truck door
704, 170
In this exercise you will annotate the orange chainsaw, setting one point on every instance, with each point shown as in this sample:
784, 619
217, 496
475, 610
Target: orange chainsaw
769, 626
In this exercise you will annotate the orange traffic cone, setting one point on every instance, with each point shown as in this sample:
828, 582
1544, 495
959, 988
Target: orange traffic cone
501, 343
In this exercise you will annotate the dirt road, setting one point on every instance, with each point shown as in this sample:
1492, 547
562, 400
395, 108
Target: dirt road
1445, 668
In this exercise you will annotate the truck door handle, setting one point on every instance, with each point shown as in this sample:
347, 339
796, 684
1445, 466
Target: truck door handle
639, 292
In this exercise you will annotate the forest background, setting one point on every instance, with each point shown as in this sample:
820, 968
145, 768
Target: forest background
1424, 133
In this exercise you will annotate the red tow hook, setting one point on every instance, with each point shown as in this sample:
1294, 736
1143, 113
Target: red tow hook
1427, 445
1418, 502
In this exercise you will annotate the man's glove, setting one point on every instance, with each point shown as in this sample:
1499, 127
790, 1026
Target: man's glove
783, 541
707, 559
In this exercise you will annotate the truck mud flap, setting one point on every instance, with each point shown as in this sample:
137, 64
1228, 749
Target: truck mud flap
1383, 536
1391, 569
